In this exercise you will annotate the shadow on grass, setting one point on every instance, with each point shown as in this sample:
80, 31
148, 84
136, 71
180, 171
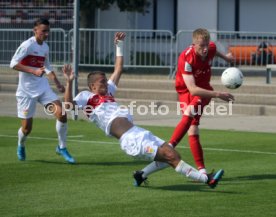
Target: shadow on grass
191, 187
115, 163
251, 177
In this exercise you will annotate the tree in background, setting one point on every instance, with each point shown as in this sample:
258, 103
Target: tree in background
89, 7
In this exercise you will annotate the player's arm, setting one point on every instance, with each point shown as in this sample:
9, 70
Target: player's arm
69, 77
35, 71
227, 57
198, 91
52, 76
119, 41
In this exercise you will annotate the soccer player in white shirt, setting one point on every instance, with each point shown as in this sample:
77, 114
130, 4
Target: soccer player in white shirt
101, 108
31, 59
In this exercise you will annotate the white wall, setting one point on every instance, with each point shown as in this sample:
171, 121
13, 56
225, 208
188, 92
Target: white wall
226, 15
193, 14
114, 19
165, 15
256, 15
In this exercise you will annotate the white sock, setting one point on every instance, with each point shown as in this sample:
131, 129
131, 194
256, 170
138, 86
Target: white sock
21, 138
153, 167
170, 145
61, 129
203, 171
190, 172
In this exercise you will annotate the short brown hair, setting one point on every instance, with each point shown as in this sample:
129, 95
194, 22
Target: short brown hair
91, 77
43, 21
200, 32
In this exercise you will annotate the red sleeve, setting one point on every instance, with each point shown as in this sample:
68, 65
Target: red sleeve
181, 61
185, 62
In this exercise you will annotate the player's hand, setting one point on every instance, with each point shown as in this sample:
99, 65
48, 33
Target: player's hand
226, 96
68, 72
119, 36
39, 71
230, 57
60, 88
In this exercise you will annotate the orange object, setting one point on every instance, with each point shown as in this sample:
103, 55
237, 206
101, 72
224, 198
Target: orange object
243, 54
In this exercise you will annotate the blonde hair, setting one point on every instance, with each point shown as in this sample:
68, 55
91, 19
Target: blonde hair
202, 33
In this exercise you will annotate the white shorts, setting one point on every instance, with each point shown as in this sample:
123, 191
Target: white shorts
140, 143
26, 105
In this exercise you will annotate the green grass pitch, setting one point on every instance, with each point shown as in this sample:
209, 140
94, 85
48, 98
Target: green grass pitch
101, 183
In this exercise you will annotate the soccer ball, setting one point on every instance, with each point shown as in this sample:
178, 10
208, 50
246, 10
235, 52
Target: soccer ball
232, 78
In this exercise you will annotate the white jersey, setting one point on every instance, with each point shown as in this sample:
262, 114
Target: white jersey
32, 54
102, 110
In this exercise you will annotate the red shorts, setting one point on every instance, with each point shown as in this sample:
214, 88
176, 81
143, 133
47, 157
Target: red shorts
198, 103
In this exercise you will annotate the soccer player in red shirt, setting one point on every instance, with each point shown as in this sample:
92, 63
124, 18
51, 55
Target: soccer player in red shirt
192, 84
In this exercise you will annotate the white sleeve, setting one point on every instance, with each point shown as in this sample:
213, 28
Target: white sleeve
20, 54
82, 98
111, 87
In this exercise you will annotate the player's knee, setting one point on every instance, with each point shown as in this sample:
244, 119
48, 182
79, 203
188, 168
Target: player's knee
189, 114
193, 130
26, 130
60, 114
190, 111
62, 118
171, 155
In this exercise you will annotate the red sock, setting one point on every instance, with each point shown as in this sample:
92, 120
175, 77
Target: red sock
197, 151
181, 129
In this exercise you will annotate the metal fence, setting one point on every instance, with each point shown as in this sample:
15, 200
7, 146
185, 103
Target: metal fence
10, 39
144, 48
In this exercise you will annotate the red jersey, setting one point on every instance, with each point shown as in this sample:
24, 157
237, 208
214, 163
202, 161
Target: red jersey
191, 64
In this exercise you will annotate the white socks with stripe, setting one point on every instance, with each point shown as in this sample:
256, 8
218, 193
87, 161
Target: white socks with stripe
153, 167
61, 129
21, 138
190, 172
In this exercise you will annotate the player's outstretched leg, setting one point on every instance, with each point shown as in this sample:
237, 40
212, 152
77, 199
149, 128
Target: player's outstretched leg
138, 178
173, 158
65, 154
214, 178
141, 175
